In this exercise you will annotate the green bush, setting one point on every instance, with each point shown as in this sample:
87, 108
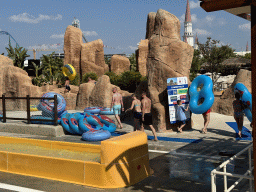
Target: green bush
114, 78
145, 78
92, 75
38, 81
129, 80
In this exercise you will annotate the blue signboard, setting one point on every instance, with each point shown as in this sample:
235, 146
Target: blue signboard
177, 89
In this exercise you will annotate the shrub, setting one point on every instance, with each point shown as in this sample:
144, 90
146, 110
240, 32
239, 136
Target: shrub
145, 78
114, 78
129, 80
92, 75
38, 81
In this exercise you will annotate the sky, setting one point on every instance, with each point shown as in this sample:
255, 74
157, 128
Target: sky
120, 24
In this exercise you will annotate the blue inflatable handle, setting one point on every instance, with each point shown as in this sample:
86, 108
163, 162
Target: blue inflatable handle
206, 93
246, 98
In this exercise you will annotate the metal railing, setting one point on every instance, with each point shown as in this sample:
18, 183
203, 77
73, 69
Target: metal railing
28, 98
247, 175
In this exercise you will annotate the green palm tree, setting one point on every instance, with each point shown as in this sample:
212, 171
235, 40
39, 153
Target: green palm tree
17, 54
52, 67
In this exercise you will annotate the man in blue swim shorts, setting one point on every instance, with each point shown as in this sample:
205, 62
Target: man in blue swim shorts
117, 104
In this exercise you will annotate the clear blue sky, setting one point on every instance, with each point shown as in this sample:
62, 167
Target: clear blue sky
121, 24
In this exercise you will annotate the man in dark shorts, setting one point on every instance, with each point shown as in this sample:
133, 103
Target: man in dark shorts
146, 114
67, 87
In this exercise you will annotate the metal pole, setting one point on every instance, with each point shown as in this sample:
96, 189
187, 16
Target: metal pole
250, 167
28, 109
253, 61
213, 181
4, 109
55, 111
225, 178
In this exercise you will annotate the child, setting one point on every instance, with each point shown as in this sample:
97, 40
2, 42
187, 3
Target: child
238, 113
181, 117
67, 87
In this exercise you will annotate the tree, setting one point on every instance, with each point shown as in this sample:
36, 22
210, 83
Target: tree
196, 64
214, 56
132, 59
17, 54
52, 67
247, 56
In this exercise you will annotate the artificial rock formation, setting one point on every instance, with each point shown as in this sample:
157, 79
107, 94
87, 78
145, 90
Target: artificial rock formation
168, 57
72, 47
83, 96
150, 24
142, 56
15, 82
85, 57
119, 64
92, 58
223, 105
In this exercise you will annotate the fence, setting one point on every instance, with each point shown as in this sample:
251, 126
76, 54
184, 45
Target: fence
23, 103
247, 175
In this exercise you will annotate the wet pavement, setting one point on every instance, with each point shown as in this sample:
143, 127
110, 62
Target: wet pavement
178, 166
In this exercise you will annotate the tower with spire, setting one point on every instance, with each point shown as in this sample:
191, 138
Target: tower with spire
196, 42
188, 35
247, 48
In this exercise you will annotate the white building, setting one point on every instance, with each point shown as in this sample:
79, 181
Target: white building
188, 34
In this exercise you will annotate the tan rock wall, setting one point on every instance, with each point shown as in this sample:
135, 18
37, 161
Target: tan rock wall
142, 55
119, 64
168, 57
92, 58
72, 47
150, 24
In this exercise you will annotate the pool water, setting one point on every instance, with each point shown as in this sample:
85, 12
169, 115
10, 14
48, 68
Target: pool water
57, 153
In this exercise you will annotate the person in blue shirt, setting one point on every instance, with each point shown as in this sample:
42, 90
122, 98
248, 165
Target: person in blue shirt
181, 117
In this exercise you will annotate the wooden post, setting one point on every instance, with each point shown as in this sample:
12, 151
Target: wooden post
253, 61
55, 111
28, 109
4, 108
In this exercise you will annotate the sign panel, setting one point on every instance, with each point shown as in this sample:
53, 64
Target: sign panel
177, 89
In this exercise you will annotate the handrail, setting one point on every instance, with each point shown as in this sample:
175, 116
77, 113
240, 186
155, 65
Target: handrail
248, 175
232, 158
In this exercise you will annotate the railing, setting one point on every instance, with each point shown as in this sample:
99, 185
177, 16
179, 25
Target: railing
247, 175
28, 98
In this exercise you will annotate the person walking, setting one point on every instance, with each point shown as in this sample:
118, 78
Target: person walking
136, 105
146, 114
206, 117
238, 107
117, 105
181, 117
67, 87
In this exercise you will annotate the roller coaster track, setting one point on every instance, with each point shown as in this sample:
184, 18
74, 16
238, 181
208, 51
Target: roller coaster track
6, 33
85, 39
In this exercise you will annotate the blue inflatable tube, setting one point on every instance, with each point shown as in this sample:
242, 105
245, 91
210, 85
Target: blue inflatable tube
93, 110
206, 92
109, 123
94, 120
111, 128
246, 98
33, 117
107, 111
85, 126
65, 123
73, 123
48, 107
96, 135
